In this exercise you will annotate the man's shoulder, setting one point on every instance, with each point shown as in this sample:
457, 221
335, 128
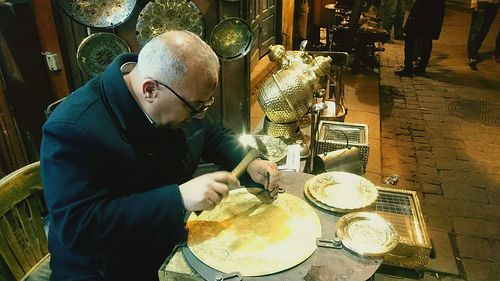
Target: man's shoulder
83, 105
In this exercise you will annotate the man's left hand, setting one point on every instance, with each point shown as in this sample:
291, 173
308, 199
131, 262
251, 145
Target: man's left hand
258, 170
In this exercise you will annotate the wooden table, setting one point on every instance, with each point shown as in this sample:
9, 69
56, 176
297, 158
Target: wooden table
325, 264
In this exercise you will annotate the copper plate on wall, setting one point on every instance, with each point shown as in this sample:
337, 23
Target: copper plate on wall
342, 192
98, 13
159, 16
254, 238
367, 234
98, 50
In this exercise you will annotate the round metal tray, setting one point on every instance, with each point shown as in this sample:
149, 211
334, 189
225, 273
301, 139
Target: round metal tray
163, 15
98, 50
98, 13
255, 237
341, 192
367, 234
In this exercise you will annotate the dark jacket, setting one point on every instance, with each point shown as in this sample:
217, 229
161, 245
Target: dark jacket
425, 19
111, 181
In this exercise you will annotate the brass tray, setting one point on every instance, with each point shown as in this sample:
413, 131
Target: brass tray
98, 13
367, 234
231, 38
342, 192
276, 148
98, 50
253, 237
163, 15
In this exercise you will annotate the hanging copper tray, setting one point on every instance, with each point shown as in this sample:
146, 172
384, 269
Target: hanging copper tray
367, 234
98, 13
98, 50
341, 192
276, 148
254, 238
231, 38
159, 16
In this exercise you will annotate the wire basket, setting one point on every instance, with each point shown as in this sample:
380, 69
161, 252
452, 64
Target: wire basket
331, 137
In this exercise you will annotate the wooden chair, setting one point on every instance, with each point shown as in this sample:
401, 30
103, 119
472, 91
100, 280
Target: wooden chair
23, 243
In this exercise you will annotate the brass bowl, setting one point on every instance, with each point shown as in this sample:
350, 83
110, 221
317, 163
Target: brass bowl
231, 39
98, 50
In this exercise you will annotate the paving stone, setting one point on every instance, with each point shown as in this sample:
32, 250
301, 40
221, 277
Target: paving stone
475, 210
494, 195
479, 248
431, 189
477, 270
453, 164
476, 227
444, 260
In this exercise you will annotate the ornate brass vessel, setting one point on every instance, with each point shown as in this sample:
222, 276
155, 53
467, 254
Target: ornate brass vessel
288, 94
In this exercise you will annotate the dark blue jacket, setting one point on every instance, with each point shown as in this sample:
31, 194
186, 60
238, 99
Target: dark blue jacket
111, 181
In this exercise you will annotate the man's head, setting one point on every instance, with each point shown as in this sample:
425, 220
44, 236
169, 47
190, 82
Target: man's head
175, 78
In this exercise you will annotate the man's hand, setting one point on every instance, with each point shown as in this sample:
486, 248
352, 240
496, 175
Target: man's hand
258, 170
206, 191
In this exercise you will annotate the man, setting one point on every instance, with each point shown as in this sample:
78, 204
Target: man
394, 13
117, 158
483, 14
423, 25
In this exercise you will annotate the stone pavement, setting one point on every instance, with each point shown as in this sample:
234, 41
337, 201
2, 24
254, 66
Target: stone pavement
453, 163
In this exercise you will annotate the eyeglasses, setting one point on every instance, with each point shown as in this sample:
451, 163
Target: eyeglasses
194, 110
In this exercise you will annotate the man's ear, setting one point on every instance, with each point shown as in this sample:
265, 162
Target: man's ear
149, 88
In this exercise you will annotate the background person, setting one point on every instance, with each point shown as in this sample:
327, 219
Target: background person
483, 15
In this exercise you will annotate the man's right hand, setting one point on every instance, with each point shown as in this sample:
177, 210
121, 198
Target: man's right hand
206, 191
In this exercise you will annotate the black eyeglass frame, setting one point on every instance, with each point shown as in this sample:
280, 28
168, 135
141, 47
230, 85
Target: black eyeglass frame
194, 111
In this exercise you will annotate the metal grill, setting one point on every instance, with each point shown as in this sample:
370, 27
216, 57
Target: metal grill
331, 137
481, 111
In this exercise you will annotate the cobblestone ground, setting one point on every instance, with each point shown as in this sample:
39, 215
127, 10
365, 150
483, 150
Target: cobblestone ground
452, 163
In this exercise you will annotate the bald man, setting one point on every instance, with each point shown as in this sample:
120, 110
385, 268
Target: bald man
118, 155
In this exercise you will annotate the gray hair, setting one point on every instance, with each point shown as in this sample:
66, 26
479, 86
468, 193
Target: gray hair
168, 56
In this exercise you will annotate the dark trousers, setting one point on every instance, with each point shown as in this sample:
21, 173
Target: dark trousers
479, 26
424, 51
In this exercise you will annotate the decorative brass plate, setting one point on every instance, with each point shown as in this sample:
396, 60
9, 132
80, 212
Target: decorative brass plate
343, 192
231, 38
244, 234
367, 234
98, 13
98, 50
159, 16
276, 148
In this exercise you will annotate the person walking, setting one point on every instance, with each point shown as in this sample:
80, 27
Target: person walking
394, 13
483, 14
423, 25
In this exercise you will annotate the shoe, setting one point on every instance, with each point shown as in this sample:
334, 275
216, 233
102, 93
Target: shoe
418, 71
405, 72
473, 64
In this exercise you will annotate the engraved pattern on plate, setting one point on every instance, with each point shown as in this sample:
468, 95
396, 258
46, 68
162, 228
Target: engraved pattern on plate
164, 15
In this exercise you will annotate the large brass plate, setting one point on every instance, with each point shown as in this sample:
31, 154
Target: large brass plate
163, 15
276, 148
98, 50
367, 234
245, 234
343, 192
98, 13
